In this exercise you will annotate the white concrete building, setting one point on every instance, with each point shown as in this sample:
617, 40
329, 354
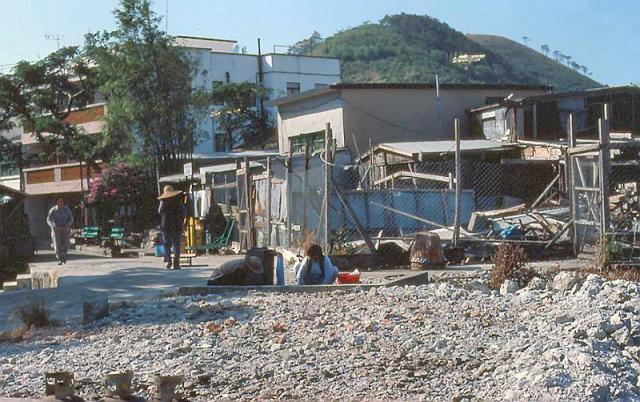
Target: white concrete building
218, 61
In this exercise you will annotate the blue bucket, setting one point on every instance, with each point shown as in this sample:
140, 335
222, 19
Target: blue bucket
159, 250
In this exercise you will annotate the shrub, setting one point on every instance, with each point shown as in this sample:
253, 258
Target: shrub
510, 263
35, 314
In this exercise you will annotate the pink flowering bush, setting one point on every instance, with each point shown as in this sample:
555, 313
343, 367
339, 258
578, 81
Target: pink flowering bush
125, 191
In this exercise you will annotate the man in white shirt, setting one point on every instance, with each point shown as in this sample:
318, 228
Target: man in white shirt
60, 219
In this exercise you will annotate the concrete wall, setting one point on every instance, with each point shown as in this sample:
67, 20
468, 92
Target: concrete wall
395, 115
305, 70
311, 115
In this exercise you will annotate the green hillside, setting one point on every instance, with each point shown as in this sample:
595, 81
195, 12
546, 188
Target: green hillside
412, 48
535, 65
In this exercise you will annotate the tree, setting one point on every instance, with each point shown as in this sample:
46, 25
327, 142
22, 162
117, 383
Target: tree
306, 46
525, 39
147, 83
125, 183
41, 97
545, 49
557, 55
238, 113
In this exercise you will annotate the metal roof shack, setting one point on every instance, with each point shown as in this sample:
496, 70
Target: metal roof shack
423, 150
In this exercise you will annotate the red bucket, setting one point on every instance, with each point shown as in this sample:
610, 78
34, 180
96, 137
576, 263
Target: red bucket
348, 277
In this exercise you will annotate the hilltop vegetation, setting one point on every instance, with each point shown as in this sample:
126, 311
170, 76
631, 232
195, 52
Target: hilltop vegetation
412, 48
535, 65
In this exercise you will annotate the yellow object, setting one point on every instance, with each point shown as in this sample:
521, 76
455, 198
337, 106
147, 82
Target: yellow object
194, 232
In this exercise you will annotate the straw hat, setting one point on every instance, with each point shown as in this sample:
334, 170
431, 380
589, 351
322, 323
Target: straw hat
168, 192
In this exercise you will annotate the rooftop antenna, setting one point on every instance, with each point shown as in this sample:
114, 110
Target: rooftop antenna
55, 37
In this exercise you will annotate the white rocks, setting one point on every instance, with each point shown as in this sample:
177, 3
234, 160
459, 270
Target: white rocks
508, 287
566, 280
537, 283
433, 342
591, 286
479, 286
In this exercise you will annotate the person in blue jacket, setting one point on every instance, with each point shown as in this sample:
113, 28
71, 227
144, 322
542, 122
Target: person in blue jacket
315, 268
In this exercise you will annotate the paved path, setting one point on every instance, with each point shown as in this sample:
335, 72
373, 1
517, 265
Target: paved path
88, 278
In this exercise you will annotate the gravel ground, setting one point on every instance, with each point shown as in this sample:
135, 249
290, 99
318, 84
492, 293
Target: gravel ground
568, 339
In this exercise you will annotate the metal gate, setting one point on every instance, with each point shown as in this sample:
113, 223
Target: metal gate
589, 172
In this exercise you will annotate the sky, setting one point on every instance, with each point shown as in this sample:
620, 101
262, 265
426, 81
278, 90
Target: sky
602, 35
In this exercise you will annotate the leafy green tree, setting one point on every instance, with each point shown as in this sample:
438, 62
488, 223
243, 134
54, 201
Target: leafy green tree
41, 96
238, 112
147, 82
545, 49
306, 46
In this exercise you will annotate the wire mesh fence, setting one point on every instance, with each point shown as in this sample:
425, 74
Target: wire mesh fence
342, 203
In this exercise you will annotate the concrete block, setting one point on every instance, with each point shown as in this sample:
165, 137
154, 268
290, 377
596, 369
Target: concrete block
95, 310
24, 281
9, 286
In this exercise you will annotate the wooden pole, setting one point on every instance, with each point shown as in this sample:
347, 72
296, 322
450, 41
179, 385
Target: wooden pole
573, 202
456, 219
268, 201
327, 178
289, 193
305, 190
251, 224
605, 164
535, 121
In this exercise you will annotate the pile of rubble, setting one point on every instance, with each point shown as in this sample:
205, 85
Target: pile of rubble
569, 338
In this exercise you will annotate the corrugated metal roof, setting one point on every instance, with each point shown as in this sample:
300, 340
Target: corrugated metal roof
227, 167
416, 148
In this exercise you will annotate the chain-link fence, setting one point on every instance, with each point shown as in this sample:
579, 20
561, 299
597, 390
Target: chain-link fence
553, 201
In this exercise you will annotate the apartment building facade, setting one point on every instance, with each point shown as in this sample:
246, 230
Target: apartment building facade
219, 61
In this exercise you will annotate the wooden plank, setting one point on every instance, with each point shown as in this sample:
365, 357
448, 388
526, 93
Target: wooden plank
414, 175
583, 149
496, 213
544, 192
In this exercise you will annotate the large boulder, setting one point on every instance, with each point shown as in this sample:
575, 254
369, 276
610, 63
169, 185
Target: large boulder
566, 280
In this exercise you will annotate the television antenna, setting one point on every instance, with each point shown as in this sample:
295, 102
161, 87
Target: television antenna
55, 37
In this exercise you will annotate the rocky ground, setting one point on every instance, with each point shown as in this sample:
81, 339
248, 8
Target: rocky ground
566, 339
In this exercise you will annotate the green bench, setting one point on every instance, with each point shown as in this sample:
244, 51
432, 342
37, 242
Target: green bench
90, 234
116, 235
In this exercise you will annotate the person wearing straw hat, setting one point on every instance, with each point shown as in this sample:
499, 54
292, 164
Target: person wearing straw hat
172, 216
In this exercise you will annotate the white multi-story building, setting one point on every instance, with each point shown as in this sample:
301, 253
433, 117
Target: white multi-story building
219, 61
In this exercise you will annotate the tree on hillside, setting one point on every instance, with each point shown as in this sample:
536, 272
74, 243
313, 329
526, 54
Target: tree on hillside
545, 49
41, 96
307, 45
525, 39
238, 113
147, 82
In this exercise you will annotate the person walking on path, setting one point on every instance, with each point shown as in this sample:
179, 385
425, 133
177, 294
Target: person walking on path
172, 216
60, 219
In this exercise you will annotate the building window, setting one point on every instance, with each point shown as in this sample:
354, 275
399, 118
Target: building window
293, 88
316, 85
315, 142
